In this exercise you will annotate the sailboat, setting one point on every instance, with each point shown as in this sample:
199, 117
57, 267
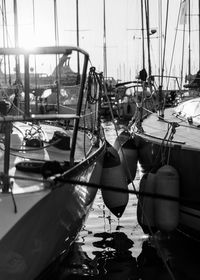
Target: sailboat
128, 92
168, 145
48, 163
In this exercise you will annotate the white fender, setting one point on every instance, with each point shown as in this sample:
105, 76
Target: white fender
129, 157
113, 175
121, 139
146, 204
167, 211
128, 153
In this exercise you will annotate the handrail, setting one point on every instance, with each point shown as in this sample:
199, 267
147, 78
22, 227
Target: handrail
168, 76
65, 50
42, 50
39, 117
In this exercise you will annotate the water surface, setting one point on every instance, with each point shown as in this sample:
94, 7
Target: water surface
112, 248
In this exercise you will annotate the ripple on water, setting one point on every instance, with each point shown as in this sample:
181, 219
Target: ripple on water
112, 249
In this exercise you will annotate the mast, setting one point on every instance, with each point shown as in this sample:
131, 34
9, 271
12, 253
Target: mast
16, 24
77, 40
142, 21
189, 45
4, 23
77, 23
199, 32
165, 39
57, 57
148, 40
16, 38
182, 61
56, 23
35, 60
104, 41
160, 45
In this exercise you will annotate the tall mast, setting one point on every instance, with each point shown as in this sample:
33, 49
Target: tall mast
148, 40
16, 24
189, 45
16, 37
33, 8
56, 23
77, 23
104, 41
160, 39
77, 40
199, 32
182, 61
4, 23
142, 21
57, 57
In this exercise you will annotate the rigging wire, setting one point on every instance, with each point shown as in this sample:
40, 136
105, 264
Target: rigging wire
165, 40
173, 50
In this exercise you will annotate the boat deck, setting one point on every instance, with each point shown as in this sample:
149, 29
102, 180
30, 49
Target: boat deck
48, 152
185, 133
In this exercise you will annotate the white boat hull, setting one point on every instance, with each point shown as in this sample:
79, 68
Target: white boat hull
45, 225
46, 161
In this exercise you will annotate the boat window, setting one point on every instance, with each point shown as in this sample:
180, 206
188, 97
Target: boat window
53, 79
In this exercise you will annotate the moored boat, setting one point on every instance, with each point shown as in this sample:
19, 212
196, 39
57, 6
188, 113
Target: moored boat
167, 141
46, 162
173, 140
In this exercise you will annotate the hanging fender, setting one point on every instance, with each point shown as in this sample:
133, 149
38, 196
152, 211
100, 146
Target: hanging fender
121, 139
113, 175
146, 204
127, 150
167, 211
129, 157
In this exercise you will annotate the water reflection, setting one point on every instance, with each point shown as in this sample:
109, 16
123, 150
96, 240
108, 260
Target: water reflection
113, 249
169, 257
115, 261
161, 258
150, 264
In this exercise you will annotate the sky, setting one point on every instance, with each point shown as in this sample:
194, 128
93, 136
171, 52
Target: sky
123, 32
